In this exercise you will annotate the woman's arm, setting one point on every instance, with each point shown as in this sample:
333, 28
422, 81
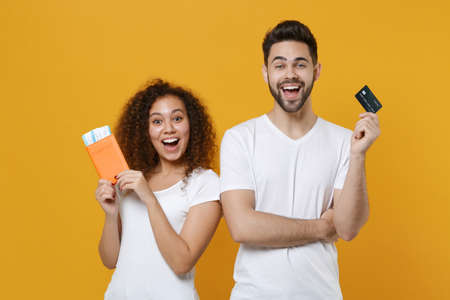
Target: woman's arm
109, 245
181, 251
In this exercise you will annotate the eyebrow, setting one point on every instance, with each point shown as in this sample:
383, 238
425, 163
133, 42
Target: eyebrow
301, 58
173, 111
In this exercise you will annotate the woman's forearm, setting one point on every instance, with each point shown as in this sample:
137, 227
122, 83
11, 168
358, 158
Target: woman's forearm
109, 245
173, 248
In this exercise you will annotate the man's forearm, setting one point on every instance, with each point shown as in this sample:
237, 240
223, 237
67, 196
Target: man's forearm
269, 230
352, 207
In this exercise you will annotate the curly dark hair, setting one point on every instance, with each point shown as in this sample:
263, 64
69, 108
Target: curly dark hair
132, 130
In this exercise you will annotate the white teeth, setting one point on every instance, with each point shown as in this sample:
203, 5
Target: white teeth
170, 140
290, 88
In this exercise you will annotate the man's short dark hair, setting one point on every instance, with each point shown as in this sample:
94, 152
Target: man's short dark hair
290, 31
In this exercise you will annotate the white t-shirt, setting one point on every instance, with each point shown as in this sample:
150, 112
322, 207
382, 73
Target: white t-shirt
290, 178
141, 271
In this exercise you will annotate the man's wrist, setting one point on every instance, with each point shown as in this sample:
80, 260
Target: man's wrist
358, 156
326, 229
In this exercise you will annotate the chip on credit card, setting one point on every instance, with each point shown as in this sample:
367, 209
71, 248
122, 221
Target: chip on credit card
368, 100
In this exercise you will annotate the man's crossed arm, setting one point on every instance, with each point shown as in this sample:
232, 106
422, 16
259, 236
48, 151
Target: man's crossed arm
252, 227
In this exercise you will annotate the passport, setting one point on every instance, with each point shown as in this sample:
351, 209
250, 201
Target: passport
105, 153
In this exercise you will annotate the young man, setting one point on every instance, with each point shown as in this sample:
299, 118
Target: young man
291, 182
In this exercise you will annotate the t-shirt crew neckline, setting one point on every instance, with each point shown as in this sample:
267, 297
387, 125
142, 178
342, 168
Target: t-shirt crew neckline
169, 188
303, 138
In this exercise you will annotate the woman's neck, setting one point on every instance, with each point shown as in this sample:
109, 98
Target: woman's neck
166, 168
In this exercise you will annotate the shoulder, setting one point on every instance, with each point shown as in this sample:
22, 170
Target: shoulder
203, 185
242, 133
244, 128
203, 175
334, 130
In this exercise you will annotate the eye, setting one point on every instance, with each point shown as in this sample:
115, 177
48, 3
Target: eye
301, 66
279, 67
157, 122
178, 118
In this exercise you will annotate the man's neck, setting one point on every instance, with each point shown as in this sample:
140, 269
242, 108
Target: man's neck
296, 124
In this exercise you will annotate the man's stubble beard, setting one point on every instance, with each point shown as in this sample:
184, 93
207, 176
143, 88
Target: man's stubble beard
278, 97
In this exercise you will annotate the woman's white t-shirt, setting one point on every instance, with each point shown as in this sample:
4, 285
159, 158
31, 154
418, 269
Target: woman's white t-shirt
141, 271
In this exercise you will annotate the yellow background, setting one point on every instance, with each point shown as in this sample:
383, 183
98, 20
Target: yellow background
69, 66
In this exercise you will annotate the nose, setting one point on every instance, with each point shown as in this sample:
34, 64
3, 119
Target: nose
291, 73
169, 128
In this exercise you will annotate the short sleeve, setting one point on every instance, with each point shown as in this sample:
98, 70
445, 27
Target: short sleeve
203, 186
235, 168
343, 164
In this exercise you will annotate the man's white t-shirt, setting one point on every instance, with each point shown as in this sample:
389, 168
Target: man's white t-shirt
290, 178
141, 271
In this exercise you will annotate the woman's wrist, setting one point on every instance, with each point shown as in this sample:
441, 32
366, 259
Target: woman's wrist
111, 218
149, 199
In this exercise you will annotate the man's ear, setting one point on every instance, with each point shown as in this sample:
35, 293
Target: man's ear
264, 73
317, 70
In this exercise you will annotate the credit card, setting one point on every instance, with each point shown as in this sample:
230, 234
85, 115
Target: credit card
368, 100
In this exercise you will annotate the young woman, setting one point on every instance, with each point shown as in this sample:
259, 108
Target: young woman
161, 214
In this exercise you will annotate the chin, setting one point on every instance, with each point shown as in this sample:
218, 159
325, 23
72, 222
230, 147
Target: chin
173, 158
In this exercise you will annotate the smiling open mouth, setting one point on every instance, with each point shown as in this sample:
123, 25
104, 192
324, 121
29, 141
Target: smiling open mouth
290, 90
170, 142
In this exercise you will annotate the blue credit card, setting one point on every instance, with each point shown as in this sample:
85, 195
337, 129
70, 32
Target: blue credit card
368, 100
